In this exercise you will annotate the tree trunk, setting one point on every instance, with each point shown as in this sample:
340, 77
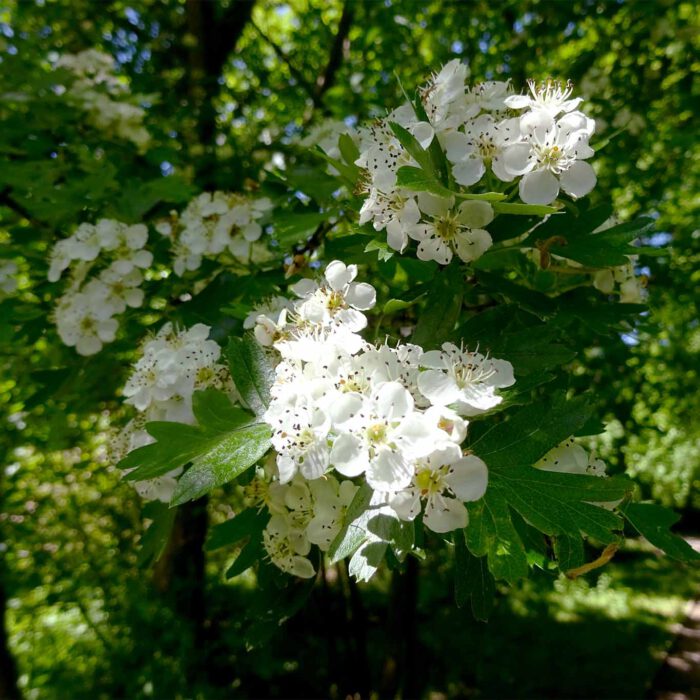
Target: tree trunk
8, 668
180, 573
399, 673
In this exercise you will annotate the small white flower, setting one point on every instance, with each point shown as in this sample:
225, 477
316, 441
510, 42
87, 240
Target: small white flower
286, 553
551, 157
269, 320
299, 434
338, 301
451, 231
466, 379
443, 481
483, 143
173, 365
83, 324
380, 436
549, 96
331, 500
394, 212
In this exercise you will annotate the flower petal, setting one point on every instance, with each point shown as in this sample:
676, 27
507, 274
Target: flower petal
438, 387
338, 275
393, 401
578, 180
445, 514
361, 295
389, 471
475, 214
348, 455
469, 171
473, 243
539, 187
468, 478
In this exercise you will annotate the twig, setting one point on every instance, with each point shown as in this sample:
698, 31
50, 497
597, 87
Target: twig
296, 73
339, 51
19, 209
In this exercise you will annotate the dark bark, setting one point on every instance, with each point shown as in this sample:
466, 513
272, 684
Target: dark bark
180, 573
180, 576
8, 668
339, 49
214, 38
399, 672
356, 620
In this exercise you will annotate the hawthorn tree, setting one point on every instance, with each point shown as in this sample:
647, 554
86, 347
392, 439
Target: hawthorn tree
365, 321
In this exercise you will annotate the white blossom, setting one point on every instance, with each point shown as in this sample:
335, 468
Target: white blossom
452, 230
84, 323
552, 157
549, 96
467, 380
442, 481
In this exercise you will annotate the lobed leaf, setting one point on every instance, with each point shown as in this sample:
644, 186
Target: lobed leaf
251, 371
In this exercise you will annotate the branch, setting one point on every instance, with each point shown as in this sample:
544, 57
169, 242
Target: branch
339, 51
19, 209
295, 72
229, 30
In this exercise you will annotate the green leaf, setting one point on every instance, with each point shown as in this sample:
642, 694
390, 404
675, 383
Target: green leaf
348, 149
394, 305
294, 228
419, 181
606, 248
491, 533
557, 503
553, 503
156, 535
442, 309
523, 209
473, 581
244, 524
249, 555
176, 444
384, 252
251, 371
213, 409
532, 431
569, 552
531, 349
654, 523
232, 455
367, 532
415, 150
353, 532
482, 197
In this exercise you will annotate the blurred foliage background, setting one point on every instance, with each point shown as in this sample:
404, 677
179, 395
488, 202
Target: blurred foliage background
228, 85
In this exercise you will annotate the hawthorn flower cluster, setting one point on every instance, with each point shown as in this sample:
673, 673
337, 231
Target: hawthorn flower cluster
85, 315
172, 365
212, 223
487, 135
103, 95
343, 409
